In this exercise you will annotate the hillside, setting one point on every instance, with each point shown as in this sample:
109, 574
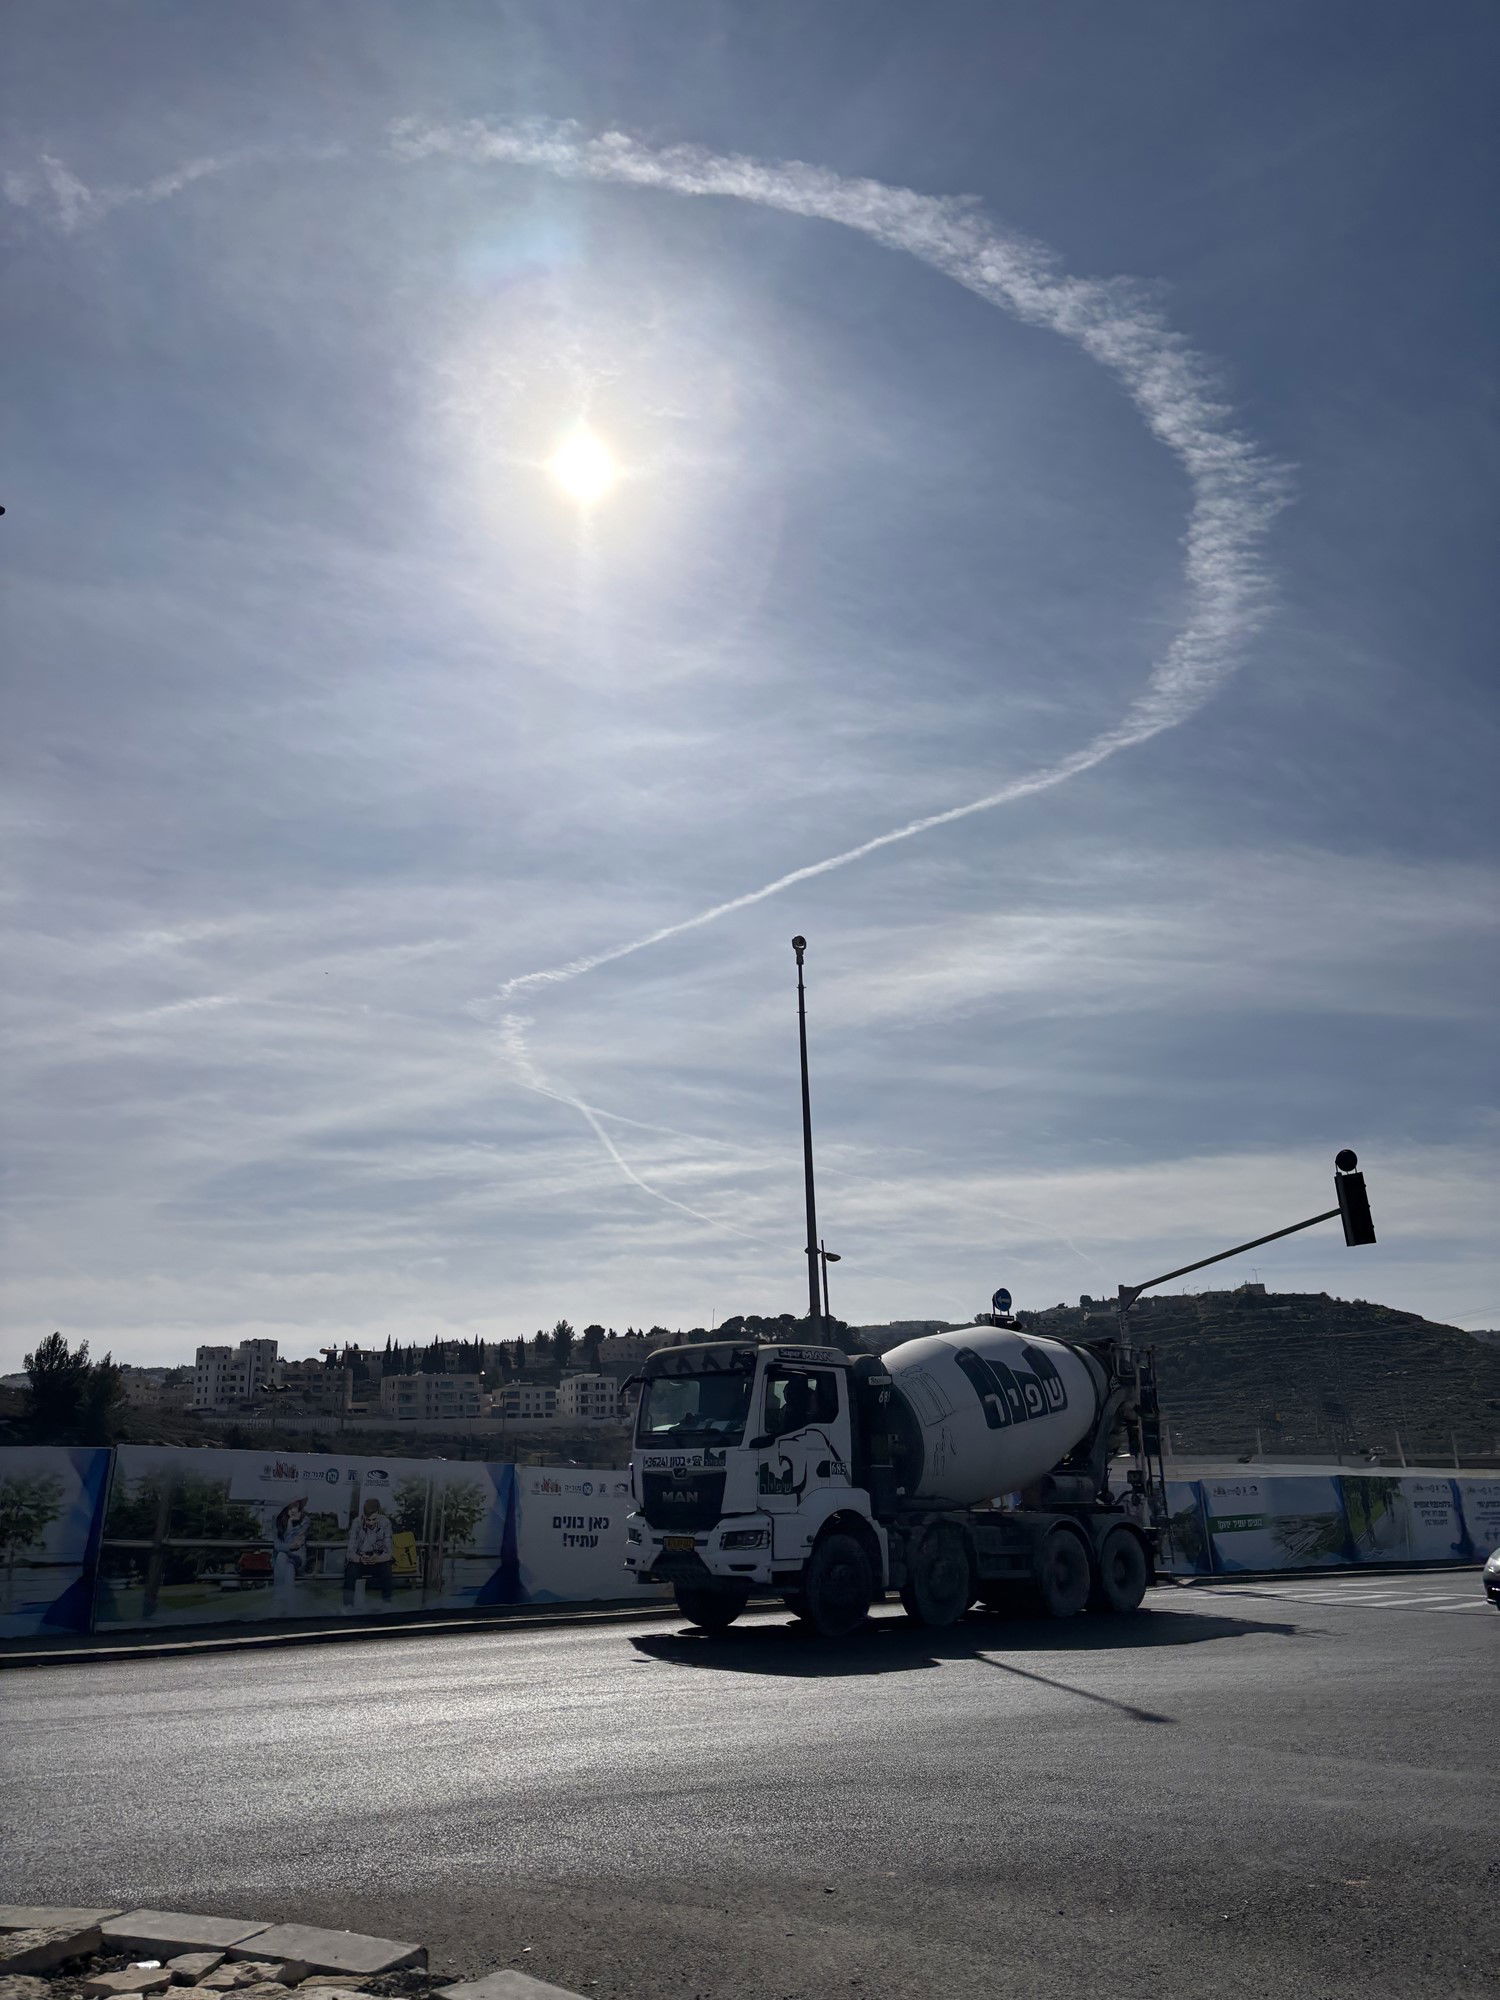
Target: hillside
1304, 1373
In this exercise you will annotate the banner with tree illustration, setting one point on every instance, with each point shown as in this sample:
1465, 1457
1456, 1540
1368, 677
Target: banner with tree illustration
1276, 1520
51, 1503
200, 1537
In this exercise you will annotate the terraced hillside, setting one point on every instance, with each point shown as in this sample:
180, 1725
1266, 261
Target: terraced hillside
1302, 1372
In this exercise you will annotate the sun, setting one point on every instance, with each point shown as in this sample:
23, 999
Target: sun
584, 466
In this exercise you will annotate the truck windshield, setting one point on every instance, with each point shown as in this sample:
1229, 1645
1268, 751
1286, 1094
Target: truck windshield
708, 1408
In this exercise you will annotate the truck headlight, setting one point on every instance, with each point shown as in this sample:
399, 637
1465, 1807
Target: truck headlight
632, 1534
745, 1538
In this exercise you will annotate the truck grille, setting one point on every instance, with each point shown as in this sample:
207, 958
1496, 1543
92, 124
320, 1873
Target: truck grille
695, 1501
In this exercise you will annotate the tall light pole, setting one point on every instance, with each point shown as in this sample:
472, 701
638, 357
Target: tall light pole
825, 1258
814, 1299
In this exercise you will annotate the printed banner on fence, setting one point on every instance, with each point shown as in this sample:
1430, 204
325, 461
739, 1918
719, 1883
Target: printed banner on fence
572, 1538
51, 1504
200, 1537
1479, 1500
1282, 1521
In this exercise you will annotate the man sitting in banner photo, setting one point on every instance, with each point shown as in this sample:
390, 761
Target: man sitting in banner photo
370, 1552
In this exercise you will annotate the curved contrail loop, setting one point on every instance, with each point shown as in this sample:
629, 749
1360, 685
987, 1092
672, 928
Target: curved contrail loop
1236, 490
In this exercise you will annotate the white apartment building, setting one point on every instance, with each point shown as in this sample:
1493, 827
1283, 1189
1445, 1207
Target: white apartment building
527, 1402
224, 1376
423, 1398
595, 1397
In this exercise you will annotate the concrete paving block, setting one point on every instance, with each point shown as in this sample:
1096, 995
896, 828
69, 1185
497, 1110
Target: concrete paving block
134, 1979
255, 1971
328, 1987
264, 1989
331, 1951
507, 1984
191, 1966
222, 1979
20, 1986
43, 1916
48, 1944
164, 1933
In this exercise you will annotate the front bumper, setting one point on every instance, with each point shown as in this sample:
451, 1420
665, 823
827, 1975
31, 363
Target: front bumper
700, 1558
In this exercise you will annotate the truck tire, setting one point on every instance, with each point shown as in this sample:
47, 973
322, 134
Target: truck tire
1064, 1574
838, 1585
940, 1584
714, 1610
1123, 1574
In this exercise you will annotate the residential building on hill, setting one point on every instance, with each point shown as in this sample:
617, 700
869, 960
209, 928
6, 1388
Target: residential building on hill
422, 1398
226, 1376
527, 1402
593, 1397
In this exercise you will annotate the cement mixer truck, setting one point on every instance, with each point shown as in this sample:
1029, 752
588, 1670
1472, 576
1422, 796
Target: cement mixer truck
971, 1465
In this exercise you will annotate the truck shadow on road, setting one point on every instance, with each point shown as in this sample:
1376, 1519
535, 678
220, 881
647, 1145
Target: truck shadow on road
889, 1645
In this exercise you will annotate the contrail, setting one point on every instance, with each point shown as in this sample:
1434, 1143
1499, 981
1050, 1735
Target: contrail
530, 1077
1236, 490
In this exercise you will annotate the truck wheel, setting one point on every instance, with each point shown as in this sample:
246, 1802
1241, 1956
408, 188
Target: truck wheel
1063, 1574
1123, 1573
838, 1585
940, 1588
714, 1610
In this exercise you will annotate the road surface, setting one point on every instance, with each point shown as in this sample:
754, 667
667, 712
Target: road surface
1265, 1790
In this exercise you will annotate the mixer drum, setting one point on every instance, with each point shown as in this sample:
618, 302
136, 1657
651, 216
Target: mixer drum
984, 1410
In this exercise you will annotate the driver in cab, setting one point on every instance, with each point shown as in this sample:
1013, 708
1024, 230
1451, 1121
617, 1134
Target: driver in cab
793, 1412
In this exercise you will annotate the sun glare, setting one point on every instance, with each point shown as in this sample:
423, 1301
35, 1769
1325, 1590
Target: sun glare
584, 466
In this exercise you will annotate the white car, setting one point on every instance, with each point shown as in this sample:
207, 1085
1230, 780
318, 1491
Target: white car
1492, 1579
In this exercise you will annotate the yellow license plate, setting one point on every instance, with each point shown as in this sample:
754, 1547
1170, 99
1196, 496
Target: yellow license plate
678, 1542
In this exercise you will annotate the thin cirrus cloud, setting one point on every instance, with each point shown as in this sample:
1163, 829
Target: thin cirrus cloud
319, 1108
1236, 490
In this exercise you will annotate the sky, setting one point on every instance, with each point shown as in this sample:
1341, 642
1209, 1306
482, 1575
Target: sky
1046, 560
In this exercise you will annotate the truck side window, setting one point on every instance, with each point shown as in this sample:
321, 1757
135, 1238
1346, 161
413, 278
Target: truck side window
797, 1397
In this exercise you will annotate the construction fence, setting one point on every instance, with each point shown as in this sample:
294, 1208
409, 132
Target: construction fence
100, 1540
146, 1536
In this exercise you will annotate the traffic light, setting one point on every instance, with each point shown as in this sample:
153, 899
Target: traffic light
1354, 1203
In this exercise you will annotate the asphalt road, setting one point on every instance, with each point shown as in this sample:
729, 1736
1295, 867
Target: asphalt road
1246, 1791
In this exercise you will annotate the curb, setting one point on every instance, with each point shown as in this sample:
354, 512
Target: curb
47, 1936
81, 1652
1368, 1571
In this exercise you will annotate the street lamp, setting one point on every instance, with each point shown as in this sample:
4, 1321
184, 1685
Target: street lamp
814, 1300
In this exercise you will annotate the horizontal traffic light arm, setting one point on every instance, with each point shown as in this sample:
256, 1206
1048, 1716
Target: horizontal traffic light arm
1130, 1293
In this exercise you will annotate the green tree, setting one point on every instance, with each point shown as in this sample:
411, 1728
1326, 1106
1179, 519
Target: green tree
593, 1339
103, 1404
562, 1342
72, 1400
541, 1348
58, 1379
29, 1503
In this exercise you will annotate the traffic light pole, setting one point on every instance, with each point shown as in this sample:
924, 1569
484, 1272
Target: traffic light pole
1353, 1206
1130, 1293
1354, 1209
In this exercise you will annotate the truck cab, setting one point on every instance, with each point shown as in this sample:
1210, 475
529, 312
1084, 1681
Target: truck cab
743, 1456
